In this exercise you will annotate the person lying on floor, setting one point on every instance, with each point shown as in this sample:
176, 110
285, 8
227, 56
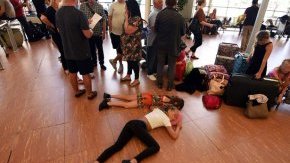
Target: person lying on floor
140, 100
140, 128
282, 73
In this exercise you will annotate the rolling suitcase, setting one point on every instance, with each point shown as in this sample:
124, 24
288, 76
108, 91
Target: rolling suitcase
227, 62
241, 85
228, 49
226, 55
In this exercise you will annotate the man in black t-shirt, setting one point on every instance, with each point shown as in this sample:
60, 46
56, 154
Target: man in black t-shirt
74, 30
169, 27
251, 15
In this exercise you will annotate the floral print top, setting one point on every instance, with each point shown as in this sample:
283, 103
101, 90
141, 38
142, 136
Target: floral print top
131, 43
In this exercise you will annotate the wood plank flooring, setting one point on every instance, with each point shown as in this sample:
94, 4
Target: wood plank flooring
42, 122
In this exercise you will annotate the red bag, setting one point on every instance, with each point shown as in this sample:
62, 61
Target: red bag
211, 102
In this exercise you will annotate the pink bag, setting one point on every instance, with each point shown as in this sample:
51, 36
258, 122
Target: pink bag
211, 102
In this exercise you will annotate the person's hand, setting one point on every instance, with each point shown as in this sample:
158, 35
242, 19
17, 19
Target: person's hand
248, 59
279, 99
104, 35
179, 124
258, 75
90, 21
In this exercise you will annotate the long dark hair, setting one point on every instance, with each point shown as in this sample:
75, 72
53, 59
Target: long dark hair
133, 8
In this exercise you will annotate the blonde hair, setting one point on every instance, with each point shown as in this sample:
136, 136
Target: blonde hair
284, 63
262, 36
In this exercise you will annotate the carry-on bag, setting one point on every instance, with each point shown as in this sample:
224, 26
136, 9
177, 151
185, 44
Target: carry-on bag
240, 64
242, 85
228, 49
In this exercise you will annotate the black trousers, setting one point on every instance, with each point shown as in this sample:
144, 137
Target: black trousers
97, 42
25, 25
151, 60
162, 56
132, 128
133, 65
57, 40
197, 41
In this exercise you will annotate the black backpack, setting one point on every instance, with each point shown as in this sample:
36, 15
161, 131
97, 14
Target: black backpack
36, 31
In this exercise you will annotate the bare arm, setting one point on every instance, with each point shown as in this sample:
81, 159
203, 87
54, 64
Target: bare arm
174, 133
88, 33
129, 29
110, 23
46, 21
269, 49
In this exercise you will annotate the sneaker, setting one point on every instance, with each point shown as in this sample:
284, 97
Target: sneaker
120, 70
103, 105
107, 96
114, 64
194, 57
152, 77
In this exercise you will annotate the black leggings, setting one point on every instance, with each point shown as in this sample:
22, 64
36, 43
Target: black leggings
197, 41
133, 65
132, 128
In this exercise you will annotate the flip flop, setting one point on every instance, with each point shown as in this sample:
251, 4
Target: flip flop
134, 83
125, 79
80, 92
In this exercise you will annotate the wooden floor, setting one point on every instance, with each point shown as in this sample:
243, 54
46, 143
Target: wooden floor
42, 122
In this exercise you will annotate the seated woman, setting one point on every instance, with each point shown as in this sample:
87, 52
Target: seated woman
258, 59
140, 128
213, 20
282, 73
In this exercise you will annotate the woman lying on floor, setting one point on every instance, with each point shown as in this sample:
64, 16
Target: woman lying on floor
140, 128
140, 100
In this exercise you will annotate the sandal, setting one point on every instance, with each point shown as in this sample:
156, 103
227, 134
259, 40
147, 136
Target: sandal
80, 92
126, 78
92, 95
135, 83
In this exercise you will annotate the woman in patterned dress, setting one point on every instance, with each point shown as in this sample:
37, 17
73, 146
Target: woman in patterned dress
131, 40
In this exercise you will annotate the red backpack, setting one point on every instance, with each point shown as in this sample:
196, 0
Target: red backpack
211, 102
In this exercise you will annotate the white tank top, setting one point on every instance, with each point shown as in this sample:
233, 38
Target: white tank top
157, 118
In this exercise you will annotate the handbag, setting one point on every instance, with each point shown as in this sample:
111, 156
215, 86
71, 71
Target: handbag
257, 110
188, 67
194, 25
216, 86
211, 102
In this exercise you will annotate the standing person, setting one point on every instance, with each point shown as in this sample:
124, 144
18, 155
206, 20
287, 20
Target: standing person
89, 8
40, 9
250, 14
74, 30
258, 59
151, 50
48, 18
131, 41
200, 16
170, 28
116, 23
18, 7
140, 128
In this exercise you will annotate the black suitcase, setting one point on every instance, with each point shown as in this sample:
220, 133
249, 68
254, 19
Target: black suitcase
241, 85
